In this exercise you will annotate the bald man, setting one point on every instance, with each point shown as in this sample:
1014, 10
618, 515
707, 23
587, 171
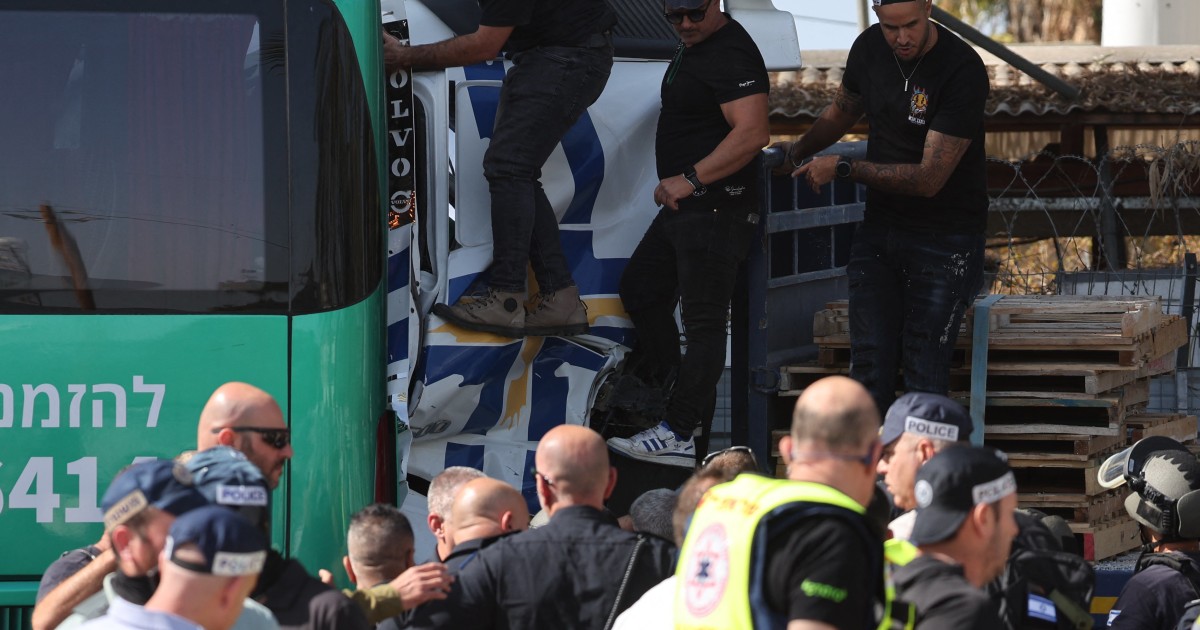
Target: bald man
567, 573
248, 419
822, 565
442, 490
484, 509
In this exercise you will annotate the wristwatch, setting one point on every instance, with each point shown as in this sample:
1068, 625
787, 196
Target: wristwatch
844, 165
697, 188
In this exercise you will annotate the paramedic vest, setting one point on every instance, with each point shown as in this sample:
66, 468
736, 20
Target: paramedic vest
721, 565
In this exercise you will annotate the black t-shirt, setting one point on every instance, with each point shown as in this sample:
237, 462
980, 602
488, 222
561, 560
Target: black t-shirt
548, 22
946, 93
819, 571
1153, 598
723, 68
943, 598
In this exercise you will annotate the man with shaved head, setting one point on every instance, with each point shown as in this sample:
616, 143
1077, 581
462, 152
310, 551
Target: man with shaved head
484, 508
441, 497
798, 551
568, 573
248, 419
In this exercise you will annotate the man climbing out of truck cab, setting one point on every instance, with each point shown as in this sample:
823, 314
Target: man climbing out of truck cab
562, 55
712, 125
916, 261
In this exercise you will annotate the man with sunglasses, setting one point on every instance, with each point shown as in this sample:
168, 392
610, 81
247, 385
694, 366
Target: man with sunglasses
916, 261
798, 552
712, 126
248, 419
562, 56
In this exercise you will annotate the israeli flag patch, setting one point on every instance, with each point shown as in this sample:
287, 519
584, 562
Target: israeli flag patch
1112, 616
1042, 608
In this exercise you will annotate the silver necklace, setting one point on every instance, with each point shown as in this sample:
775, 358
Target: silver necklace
910, 74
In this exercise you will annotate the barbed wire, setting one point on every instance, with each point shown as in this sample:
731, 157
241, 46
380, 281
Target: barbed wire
1054, 217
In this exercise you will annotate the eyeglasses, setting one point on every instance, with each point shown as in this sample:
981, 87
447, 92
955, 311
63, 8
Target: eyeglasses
695, 15
549, 481
279, 438
867, 460
732, 449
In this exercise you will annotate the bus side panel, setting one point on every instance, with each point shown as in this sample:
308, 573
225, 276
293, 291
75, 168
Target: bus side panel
335, 352
83, 396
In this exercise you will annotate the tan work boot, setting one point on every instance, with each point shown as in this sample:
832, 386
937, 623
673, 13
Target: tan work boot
496, 312
557, 313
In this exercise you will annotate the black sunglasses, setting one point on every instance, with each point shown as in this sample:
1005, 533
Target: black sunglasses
695, 15
279, 438
732, 449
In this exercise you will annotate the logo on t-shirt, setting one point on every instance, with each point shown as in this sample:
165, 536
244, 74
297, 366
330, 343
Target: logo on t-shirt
707, 571
917, 106
746, 83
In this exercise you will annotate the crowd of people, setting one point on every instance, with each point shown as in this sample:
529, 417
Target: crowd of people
878, 523
887, 516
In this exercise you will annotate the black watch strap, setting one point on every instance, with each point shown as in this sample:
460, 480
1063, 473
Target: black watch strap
697, 187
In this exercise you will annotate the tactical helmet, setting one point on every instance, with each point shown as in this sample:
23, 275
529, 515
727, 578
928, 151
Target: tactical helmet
1166, 489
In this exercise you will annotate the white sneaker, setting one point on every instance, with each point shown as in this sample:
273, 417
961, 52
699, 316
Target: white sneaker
659, 445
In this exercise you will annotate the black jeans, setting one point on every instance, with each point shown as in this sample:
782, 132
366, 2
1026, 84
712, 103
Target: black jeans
908, 293
545, 92
689, 258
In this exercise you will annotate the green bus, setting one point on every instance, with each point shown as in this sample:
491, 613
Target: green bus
191, 192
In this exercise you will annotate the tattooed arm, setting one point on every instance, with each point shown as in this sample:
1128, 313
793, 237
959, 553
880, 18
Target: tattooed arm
830, 126
941, 156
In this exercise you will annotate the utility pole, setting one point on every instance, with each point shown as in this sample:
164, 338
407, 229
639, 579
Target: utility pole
862, 15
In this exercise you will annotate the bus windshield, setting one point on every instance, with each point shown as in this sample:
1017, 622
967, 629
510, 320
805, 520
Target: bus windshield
132, 165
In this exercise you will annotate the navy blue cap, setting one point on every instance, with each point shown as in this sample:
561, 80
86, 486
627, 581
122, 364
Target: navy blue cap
230, 544
931, 416
161, 484
952, 483
225, 477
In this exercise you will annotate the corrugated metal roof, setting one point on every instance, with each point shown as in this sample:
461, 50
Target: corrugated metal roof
1153, 80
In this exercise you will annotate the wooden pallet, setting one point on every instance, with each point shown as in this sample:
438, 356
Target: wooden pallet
1102, 507
1063, 376
1062, 446
1107, 539
1173, 425
1101, 416
1068, 480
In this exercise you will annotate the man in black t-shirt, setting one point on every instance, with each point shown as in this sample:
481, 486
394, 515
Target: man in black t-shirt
562, 55
917, 259
712, 124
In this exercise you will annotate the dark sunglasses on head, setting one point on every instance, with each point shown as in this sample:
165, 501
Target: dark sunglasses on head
279, 438
732, 449
695, 15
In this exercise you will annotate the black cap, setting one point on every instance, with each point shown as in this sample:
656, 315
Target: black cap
952, 483
229, 544
927, 415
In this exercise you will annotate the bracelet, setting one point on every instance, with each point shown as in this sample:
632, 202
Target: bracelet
791, 158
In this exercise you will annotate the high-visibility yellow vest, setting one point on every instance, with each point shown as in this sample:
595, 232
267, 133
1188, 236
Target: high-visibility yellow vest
896, 615
718, 575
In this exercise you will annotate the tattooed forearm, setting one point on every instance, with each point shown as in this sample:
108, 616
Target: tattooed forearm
926, 179
849, 102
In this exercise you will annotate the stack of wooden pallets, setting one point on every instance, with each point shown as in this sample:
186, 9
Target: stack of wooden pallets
1068, 382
